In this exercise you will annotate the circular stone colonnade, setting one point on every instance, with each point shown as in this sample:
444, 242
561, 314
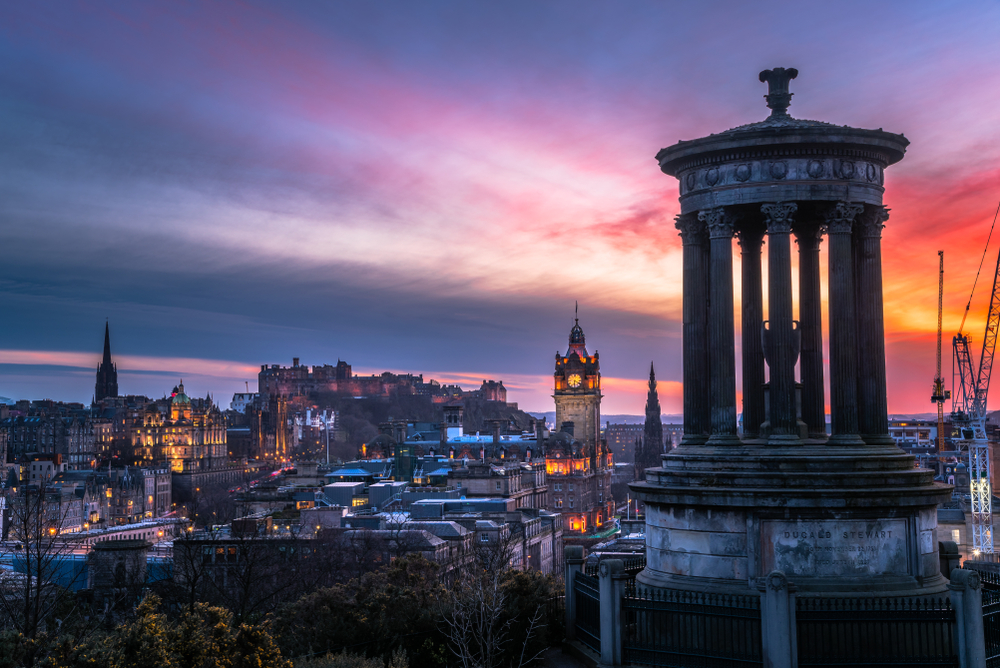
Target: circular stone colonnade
843, 513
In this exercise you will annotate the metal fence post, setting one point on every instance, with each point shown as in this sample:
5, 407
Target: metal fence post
779, 640
574, 564
967, 600
612, 589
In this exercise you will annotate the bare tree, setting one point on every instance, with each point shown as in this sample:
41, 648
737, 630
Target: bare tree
245, 570
481, 631
45, 571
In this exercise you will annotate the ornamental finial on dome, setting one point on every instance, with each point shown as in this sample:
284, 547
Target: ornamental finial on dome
778, 98
577, 341
576, 334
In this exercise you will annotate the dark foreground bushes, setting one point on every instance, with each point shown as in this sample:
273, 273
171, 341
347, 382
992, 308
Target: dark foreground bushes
396, 617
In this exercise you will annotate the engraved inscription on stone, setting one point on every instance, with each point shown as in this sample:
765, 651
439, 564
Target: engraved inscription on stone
834, 548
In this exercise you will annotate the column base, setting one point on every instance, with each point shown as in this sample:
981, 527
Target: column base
724, 439
694, 439
845, 440
878, 439
767, 434
784, 439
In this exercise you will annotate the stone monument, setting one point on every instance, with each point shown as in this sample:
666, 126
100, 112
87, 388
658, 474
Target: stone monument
838, 514
117, 570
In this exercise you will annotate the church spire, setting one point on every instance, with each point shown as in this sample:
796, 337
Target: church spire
107, 373
649, 451
107, 343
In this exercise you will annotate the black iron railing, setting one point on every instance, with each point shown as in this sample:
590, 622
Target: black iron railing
588, 610
663, 627
991, 625
989, 579
634, 566
875, 632
991, 609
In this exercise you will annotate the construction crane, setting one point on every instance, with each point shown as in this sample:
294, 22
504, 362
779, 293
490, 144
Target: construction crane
969, 412
940, 395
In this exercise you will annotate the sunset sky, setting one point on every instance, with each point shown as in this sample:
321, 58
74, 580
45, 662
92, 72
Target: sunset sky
429, 186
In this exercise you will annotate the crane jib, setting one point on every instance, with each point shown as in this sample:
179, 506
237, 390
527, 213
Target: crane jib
973, 389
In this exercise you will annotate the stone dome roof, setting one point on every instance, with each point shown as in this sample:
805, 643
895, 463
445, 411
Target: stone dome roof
781, 159
178, 396
562, 444
577, 340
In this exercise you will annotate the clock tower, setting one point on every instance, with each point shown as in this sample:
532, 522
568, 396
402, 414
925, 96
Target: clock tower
578, 389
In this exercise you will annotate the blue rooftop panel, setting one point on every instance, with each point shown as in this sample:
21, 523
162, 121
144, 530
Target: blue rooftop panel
349, 473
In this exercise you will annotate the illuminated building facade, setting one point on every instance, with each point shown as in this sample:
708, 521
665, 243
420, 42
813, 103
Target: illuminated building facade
578, 463
578, 388
186, 435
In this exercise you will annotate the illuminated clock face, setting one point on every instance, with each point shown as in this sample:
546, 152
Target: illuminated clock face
574, 380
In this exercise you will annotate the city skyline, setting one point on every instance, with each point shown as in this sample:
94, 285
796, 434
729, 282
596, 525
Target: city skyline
430, 191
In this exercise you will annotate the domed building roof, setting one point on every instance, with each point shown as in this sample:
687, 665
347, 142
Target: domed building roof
178, 396
577, 340
781, 159
562, 445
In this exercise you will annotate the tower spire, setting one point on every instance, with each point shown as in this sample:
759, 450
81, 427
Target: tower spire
649, 450
107, 373
107, 343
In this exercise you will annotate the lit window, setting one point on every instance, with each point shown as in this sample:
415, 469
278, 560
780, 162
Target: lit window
498, 484
484, 538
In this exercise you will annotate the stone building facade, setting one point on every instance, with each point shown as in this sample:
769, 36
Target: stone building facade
185, 434
578, 463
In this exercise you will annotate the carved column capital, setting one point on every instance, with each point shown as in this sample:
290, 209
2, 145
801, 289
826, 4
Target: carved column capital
692, 230
870, 223
718, 221
840, 218
809, 237
779, 216
750, 238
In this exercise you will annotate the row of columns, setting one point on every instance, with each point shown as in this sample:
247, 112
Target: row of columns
857, 343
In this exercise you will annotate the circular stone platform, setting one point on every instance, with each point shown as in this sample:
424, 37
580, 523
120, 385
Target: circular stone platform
832, 519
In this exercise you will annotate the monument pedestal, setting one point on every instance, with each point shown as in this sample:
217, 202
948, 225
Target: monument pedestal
833, 520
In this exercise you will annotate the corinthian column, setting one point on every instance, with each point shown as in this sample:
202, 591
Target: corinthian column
811, 319
697, 421
781, 344
751, 238
873, 419
721, 328
843, 343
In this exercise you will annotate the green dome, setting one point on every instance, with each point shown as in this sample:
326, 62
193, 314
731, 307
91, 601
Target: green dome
178, 396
